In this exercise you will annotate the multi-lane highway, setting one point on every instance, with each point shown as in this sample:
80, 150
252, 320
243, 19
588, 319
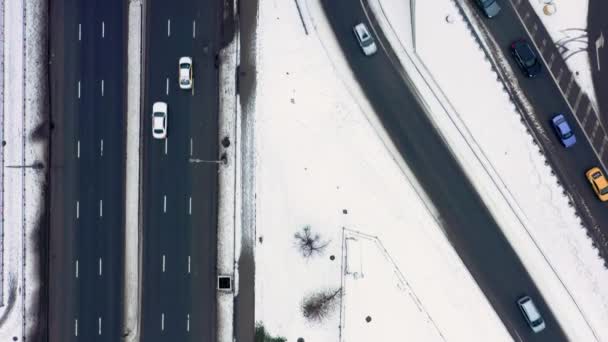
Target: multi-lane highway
87, 168
467, 222
180, 196
546, 99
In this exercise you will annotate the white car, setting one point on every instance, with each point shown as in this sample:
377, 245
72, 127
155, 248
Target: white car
159, 120
185, 73
365, 39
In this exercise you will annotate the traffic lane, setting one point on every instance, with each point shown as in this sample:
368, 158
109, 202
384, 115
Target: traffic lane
62, 191
468, 224
203, 249
101, 242
171, 163
597, 29
89, 307
546, 99
182, 112
203, 122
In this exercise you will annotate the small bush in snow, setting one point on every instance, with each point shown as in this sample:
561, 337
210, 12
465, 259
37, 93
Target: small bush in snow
317, 306
309, 243
262, 336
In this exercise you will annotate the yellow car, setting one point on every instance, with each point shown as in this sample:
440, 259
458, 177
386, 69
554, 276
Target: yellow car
598, 182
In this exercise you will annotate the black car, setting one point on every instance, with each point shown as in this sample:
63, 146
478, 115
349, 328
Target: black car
525, 58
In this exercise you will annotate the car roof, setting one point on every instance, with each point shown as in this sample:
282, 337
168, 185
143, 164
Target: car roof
158, 121
564, 127
524, 50
530, 309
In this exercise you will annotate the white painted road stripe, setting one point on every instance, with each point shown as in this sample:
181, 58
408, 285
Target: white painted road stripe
193, 29
167, 86
188, 264
77, 209
165, 203
102, 87
162, 321
166, 145
99, 328
78, 89
103, 29
76, 273
79, 32
78, 149
163, 263
75, 326
100, 266
168, 27
190, 206
100, 208
190, 146
101, 148
188, 322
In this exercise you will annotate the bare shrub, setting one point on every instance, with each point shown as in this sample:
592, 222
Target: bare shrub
309, 243
318, 305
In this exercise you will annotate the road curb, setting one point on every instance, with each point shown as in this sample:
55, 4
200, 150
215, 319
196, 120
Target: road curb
228, 179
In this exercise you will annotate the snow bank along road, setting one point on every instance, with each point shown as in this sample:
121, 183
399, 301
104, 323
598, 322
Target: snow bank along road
468, 224
555, 91
87, 155
180, 196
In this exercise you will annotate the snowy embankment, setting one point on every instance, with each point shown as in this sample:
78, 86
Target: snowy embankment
506, 167
25, 63
324, 162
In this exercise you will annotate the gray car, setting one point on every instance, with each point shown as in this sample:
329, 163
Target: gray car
489, 7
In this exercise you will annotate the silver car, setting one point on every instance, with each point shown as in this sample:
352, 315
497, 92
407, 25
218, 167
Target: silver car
365, 39
531, 314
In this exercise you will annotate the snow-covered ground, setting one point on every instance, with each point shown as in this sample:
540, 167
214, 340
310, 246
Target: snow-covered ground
323, 161
566, 22
505, 166
24, 64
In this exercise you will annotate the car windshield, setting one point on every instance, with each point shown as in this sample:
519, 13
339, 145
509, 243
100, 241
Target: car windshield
487, 3
184, 66
604, 191
185, 81
158, 130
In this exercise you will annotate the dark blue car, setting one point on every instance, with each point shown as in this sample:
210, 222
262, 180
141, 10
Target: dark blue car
563, 130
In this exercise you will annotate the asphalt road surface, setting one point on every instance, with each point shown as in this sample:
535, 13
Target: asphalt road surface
467, 222
180, 197
597, 31
569, 164
87, 80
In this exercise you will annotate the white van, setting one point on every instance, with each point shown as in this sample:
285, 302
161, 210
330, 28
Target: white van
533, 317
365, 39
